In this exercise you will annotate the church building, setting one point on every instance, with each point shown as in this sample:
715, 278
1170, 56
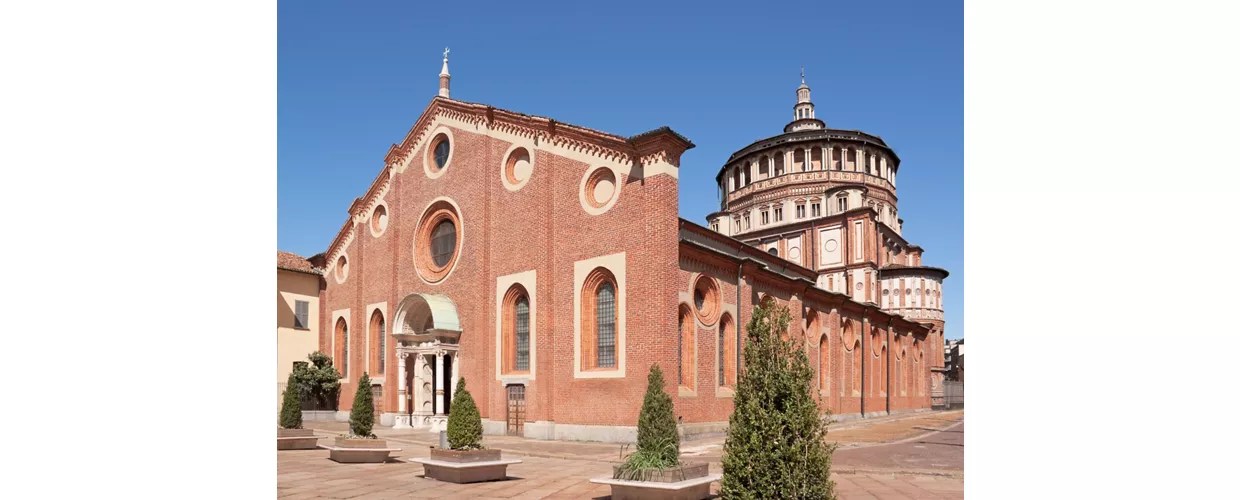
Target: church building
546, 264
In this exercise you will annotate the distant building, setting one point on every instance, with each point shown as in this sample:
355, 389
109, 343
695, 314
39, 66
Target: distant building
298, 283
953, 360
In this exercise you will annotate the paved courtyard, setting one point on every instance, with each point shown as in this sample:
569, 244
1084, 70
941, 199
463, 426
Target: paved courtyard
918, 462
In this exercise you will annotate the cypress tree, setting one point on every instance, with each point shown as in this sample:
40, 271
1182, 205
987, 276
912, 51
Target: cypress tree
290, 410
362, 416
776, 445
658, 443
464, 421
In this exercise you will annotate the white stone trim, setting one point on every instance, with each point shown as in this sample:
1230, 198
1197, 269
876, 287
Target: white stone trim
370, 215
336, 315
347, 261
616, 264
428, 154
529, 146
529, 280
581, 190
370, 311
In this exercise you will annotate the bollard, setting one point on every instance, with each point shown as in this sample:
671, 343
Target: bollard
443, 440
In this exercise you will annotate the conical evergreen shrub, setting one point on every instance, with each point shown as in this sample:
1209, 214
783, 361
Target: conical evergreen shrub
362, 416
464, 421
658, 443
776, 445
290, 409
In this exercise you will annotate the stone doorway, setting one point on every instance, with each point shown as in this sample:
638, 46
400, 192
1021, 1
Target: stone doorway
427, 330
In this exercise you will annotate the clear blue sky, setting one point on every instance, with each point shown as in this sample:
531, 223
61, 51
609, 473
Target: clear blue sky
353, 77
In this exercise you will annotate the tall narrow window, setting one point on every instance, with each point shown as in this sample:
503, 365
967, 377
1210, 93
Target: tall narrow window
377, 327
721, 357
301, 314
382, 347
766, 217
606, 323
342, 346
801, 211
823, 360
779, 214
815, 210
842, 203
523, 335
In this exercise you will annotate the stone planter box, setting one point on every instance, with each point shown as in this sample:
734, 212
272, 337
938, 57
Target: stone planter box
296, 439
690, 481
360, 451
465, 466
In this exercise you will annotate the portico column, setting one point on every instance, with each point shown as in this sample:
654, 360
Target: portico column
439, 383
400, 383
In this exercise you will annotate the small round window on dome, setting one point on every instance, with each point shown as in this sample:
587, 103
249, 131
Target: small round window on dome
442, 150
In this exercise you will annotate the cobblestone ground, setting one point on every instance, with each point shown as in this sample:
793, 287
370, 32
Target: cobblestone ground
921, 464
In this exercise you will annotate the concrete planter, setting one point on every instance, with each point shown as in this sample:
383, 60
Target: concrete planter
465, 466
360, 451
296, 439
690, 481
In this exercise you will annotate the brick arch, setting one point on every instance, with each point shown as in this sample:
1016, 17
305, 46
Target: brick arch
592, 348
511, 344
686, 365
727, 349
378, 339
341, 356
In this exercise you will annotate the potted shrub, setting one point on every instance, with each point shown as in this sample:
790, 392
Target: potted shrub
465, 460
290, 435
655, 469
776, 443
361, 445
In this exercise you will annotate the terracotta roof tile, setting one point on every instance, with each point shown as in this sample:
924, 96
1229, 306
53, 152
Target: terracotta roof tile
294, 262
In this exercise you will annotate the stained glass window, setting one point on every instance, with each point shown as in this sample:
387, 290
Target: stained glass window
523, 334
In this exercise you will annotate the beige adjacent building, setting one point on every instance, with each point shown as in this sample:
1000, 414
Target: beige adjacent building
297, 313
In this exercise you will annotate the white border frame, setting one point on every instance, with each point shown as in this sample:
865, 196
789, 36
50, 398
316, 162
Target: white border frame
615, 196
581, 269
503, 165
528, 280
371, 216
428, 153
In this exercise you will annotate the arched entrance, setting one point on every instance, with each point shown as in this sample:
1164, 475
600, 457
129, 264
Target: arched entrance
427, 330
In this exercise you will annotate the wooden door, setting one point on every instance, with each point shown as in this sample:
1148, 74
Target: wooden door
516, 410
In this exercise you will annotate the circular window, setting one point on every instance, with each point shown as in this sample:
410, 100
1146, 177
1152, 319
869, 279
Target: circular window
859, 286
918, 292
517, 168
438, 154
706, 299
342, 268
437, 242
378, 220
794, 253
773, 251
599, 190
908, 291
885, 292
830, 245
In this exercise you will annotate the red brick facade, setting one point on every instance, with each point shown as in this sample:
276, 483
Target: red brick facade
546, 226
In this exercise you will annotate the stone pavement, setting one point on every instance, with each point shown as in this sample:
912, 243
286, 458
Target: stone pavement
928, 465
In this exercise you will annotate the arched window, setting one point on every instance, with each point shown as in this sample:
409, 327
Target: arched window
606, 322
515, 330
598, 320
378, 338
824, 359
523, 334
342, 346
727, 350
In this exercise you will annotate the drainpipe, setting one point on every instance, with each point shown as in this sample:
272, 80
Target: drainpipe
888, 360
865, 335
737, 366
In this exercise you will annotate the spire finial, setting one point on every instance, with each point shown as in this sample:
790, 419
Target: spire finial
444, 77
802, 74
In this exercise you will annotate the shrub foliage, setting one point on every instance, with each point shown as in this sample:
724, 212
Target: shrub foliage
776, 445
362, 416
658, 443
318, 379
464, 421
290, 409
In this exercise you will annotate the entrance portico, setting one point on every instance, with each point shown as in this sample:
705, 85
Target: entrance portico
427, 330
